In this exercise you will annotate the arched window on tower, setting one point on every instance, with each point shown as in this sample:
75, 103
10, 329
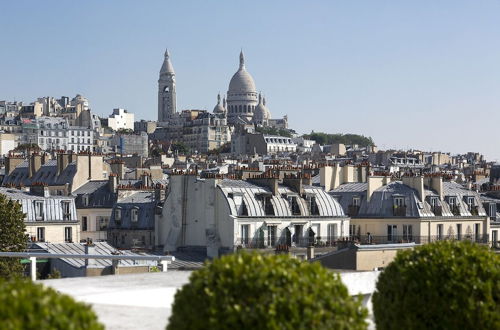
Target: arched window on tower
245, 108
241, 108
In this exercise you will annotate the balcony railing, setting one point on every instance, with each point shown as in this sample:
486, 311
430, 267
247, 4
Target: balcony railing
391, 239
305, 241
317, 241
399, 211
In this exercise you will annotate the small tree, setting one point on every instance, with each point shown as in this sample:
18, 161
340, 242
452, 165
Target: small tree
26, 305
443, 285
12, 236
251, 291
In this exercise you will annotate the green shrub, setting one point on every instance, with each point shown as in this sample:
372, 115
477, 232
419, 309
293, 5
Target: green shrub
251, 291
443, 285
26, 305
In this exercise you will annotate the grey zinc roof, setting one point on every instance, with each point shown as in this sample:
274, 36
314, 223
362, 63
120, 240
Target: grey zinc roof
381, 202
145, 202
249, 192
97, 194
46, 174
52, 207
101, 248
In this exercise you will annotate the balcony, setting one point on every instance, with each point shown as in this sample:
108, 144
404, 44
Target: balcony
399, 239
399, 211
264, 243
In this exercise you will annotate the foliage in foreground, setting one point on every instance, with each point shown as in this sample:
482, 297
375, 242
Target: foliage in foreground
443, 285
12, 236
251, 291
26, 305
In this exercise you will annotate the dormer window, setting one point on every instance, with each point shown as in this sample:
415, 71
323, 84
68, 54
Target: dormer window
66, 210
399, 201
39, 210
313, 206
470, 202
85, 200
356, 201
118, 215
399, 206
294, 205
134, 215
433, 201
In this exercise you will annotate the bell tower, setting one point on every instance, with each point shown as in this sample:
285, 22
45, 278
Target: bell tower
167, 102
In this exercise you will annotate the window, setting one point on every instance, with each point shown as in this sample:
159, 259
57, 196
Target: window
66, 210
118, 215
84, 224
245, 234
40, 234
297, 237
459, 231
332, 232
477, 231
470, 203
399, 201
244, 209
452, 201
68, 235
356, 201
85, 200
271, 235
313, 206
352, 231
408, 232
392, 233
294, 205
39, 210
134, 217
440, 232
102, 222
268, 206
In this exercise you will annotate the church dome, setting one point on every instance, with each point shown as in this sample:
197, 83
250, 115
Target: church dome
242, 81
261, 113
219, 108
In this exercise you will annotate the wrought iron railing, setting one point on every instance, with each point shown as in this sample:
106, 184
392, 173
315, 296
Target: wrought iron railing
316, 241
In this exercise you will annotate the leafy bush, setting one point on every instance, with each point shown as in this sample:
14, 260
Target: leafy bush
443, 285
251, 291
26, 305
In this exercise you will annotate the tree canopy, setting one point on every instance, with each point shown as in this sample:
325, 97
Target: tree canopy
12, 236
348, 139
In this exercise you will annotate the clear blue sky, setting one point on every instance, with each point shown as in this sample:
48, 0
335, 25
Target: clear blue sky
421, 74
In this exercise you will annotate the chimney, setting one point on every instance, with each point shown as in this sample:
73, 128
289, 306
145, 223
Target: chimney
11, 163
113, 182
375, 182
417, 183
63, 161
293, 182
35, 162
437, 185
118, 167
146, 180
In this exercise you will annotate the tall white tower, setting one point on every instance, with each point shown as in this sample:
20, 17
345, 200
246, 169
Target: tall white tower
167, 102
